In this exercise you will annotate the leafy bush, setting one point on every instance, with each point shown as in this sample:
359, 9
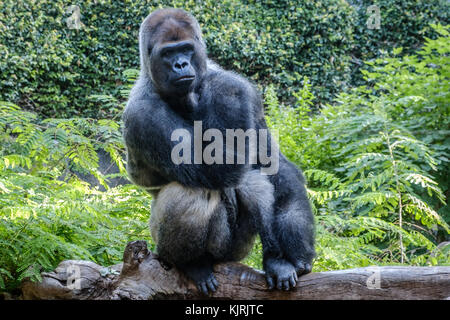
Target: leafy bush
279, 42
46, 213
53, 68
418, 87
402, 24
376, 161
55, 57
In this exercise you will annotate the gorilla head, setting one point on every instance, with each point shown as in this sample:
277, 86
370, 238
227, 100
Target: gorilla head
173, 53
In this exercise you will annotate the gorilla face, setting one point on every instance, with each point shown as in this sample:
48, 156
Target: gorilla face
174, 53
174, 69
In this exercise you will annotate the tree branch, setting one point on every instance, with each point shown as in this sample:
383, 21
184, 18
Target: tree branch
141, 276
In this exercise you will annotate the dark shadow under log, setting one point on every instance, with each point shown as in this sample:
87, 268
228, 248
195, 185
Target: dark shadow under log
141, 276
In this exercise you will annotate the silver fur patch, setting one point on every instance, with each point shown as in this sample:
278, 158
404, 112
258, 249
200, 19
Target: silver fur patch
190, 206
257, 189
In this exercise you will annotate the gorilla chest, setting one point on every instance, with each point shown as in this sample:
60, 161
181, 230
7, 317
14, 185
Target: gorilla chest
220, 113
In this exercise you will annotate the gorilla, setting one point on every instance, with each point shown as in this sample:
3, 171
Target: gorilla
205, 213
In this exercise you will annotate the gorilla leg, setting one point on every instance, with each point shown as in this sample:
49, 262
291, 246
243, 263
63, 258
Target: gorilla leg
180, 226
179, 221
295, 230
256, 195
256, 198
294, 221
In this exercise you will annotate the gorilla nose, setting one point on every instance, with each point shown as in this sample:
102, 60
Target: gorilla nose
180, 65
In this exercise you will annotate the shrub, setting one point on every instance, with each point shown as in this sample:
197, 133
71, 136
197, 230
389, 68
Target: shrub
377, 161
53, 69
47, 214
402, 24
53, 66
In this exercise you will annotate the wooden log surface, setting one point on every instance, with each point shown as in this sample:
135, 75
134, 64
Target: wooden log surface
141, 277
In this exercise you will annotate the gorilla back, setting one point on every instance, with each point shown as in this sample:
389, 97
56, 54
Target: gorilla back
206, 213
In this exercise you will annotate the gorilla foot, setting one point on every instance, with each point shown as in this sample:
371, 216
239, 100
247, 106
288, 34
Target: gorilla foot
281, 273
203, 277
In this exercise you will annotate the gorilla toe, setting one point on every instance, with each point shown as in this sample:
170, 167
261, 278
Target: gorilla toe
207, 285
302, 267
280, 272
203, 278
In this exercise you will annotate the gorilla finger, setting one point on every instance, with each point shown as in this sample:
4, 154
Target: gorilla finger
211, 285
295, 276
202, 288
292, 280
286, 285
308, 268
270, 283
279, 284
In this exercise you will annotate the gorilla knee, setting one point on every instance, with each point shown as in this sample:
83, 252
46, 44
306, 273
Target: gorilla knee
177, 207
257, 192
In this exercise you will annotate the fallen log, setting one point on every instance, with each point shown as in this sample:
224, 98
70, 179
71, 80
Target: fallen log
141, 276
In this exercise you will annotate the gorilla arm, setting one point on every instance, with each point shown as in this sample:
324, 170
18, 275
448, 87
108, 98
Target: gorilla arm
148, 126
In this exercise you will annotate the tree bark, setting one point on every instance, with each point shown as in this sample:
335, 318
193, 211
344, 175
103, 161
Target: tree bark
141, 276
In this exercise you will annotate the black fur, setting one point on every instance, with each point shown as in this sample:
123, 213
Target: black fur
203, 214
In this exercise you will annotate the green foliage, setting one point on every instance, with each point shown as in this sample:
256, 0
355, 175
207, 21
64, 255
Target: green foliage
376, 161
279, 42
402, 24
419, 92
53, 68
46, 213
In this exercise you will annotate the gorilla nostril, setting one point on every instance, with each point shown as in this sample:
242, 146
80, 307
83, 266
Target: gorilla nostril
180, 65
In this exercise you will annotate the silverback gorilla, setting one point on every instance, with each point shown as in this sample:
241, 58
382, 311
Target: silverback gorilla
204, 213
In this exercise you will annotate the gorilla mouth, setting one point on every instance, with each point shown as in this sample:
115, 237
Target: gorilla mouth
184, 79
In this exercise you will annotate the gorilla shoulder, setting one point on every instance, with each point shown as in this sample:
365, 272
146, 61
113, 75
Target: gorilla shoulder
230, 88
228, 82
